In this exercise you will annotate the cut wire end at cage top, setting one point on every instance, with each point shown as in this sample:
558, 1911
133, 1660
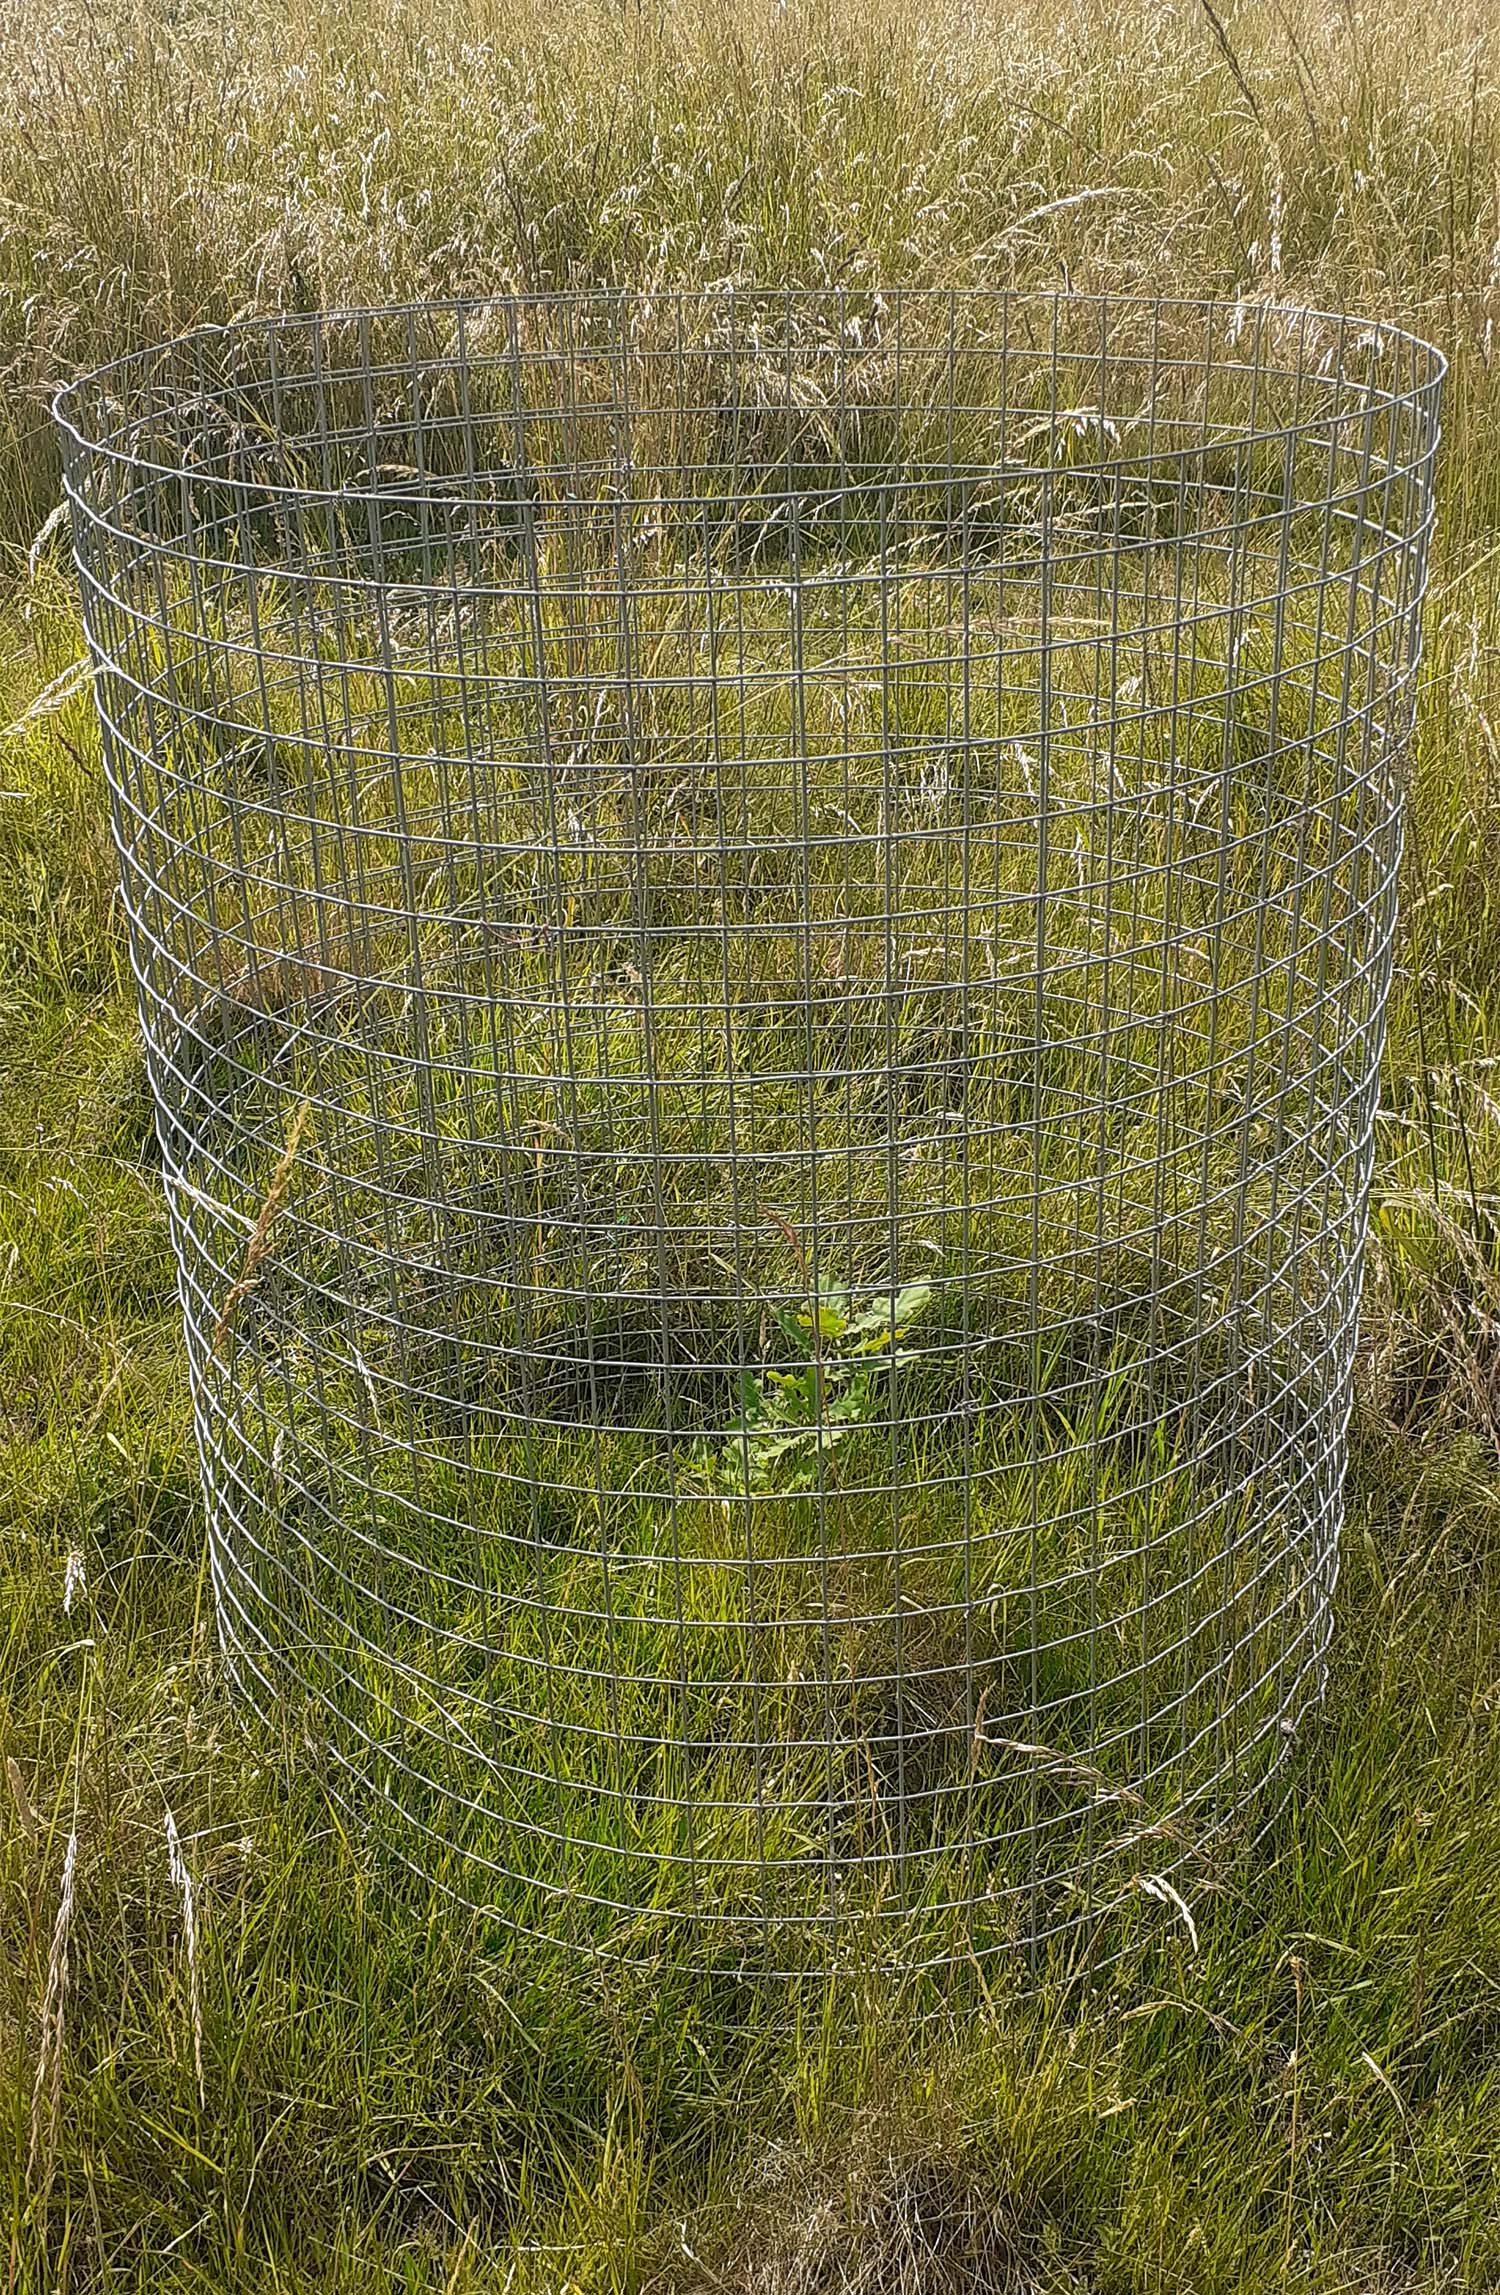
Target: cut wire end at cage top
763, 926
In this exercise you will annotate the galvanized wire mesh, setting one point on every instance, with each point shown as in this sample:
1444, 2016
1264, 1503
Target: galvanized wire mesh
762, 928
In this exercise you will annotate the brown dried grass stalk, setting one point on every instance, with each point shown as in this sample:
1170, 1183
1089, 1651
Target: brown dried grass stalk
259, 1243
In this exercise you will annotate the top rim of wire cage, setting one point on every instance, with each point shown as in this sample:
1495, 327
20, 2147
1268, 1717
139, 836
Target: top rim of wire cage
1400, 367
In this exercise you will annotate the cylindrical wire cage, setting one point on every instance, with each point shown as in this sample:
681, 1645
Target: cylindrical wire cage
762, 925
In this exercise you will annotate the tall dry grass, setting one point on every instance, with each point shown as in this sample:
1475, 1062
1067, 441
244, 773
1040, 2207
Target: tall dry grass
1308, 2098
161, 165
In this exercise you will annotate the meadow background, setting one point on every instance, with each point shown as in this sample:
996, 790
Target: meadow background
226, 2059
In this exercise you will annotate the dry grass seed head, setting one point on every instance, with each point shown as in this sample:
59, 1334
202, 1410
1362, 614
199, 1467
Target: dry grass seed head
46, 2093
182, 1881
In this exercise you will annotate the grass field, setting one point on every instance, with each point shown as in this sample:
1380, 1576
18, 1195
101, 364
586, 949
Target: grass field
228, 2058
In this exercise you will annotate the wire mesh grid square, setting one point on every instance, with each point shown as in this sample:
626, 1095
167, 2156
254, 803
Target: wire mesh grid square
762, 925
